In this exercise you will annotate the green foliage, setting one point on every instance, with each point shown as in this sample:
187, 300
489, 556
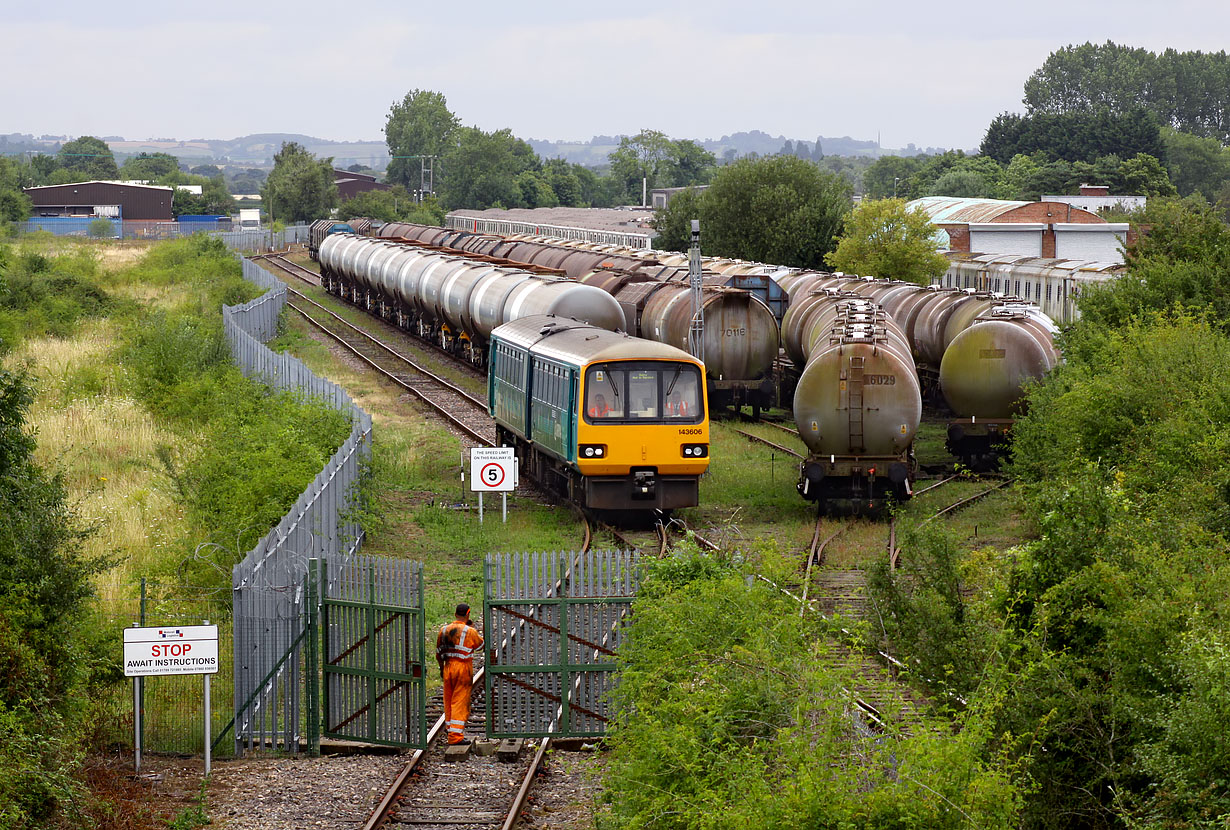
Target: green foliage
420, 125
15, 206
101, 229
393, 205
673, 222
300, 187
1082, 135
41, 295
1181, 261
1189, 91
1195, 164
485, 170
779, 209
882, 238
44, 591
149, 166
662, 162
252, 451
87, 158
731, 719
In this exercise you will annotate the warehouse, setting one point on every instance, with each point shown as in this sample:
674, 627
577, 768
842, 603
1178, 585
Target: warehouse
113, 200
351, 184
1038, 229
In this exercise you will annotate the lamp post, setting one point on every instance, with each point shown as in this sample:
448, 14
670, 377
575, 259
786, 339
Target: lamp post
895, 180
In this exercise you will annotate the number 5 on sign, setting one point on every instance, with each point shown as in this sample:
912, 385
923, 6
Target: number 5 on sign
493, 470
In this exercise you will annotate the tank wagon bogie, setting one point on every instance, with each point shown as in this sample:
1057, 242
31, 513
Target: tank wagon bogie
612, 422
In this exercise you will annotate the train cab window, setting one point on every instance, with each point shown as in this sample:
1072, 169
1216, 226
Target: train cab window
643, 391
605, 394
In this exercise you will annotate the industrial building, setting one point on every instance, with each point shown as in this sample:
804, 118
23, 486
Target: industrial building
1037, 229
1096, 197
350, 184
110, 200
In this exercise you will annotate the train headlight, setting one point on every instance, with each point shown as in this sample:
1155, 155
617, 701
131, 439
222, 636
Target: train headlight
593, 450
695, 450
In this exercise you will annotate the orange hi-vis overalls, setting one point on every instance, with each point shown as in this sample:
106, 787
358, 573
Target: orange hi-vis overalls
457, 643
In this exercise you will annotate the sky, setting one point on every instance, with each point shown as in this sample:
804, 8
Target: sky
905, 72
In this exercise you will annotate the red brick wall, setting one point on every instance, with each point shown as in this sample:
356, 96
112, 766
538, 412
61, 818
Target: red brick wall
958, 237
1048, 213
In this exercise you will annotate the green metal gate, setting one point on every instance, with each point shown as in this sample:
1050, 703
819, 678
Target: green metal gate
372, 642
553, 623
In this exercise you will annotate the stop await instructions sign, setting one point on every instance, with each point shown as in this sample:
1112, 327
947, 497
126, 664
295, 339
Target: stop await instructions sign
493, 469
184, 649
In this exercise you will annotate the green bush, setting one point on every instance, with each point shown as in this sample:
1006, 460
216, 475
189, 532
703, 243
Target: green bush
736, 714
44, 593
43, 295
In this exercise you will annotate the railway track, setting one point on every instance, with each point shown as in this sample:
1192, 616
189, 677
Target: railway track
411, 341
464, 410
485, 791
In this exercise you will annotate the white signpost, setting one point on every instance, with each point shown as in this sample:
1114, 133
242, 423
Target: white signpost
493, 470
170, 649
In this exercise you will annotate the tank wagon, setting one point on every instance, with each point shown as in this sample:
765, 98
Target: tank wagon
979, 350
610, 421
741, 332
857, 403
454, 301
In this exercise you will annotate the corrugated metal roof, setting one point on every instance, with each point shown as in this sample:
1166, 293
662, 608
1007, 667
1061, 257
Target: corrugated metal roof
955, 210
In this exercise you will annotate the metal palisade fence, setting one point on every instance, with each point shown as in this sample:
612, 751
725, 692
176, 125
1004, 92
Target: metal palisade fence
554, 622
269, 586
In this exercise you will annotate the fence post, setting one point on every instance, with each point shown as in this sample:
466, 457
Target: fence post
311, 656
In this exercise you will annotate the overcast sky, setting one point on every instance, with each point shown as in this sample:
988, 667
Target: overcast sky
932, 74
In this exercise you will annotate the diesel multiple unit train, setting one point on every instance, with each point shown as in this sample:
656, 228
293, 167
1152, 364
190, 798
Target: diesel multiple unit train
613, 422
862, 353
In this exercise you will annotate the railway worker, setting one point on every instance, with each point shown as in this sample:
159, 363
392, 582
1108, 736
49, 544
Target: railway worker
677, 406
455, 647
599, 408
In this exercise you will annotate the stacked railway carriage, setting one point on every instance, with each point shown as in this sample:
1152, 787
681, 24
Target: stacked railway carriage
741, 329
614, 422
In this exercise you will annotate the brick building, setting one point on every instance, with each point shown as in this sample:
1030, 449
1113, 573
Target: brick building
1040, 229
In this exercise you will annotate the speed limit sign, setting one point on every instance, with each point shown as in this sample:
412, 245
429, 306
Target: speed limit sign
493, 469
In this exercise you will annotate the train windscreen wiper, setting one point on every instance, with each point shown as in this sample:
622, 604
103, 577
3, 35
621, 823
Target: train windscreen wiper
674, 379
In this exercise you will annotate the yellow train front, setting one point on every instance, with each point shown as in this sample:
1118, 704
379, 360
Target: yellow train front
611, 422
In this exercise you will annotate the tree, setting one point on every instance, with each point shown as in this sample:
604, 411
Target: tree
150, 166
1144, 175
1180, 262
300, 187
639, 161
779, 209
961, 183
687, 164
88, 157
420, 125
1082, 135
1195, 164
1190, 91
882, 238
15, 205
482, 170
889, 177
209, 171
673, 222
